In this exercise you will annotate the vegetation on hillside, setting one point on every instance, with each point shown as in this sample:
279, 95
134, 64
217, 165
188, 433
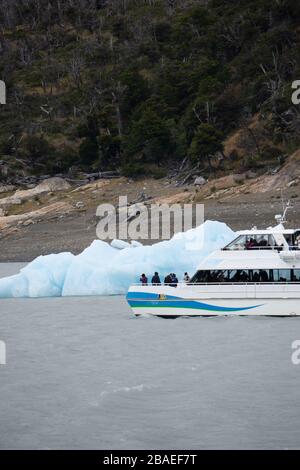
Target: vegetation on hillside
139, 85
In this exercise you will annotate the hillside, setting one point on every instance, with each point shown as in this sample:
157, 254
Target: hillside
143, 86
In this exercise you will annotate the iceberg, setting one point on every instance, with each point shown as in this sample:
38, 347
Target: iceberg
109, 269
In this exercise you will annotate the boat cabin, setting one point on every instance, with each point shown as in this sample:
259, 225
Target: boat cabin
266, 240
236, 276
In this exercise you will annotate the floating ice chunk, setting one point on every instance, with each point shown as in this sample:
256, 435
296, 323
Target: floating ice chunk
43, 277
135, 244
14, 286
103, 269
120, 244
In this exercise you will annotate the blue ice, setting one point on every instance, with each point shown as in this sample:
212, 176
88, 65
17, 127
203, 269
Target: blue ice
109, 269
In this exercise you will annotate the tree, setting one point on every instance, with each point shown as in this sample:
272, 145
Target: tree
149, 138
37, 148
132, 80
206, 142
89, 150
109, 146
134, 90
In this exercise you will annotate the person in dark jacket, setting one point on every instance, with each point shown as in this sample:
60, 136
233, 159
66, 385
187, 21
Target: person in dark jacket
156, 279
168, 280
144, 279
174, 280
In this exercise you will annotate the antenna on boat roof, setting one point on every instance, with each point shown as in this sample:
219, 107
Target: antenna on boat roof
281, 218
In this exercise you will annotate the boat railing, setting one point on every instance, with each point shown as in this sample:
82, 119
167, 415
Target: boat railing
244, 283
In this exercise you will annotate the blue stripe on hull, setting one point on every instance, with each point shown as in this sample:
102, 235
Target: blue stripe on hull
144, 300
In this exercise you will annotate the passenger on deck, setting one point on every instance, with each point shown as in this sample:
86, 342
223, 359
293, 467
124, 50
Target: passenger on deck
168, 280
186, 278
174, 280
155, 279
144, 279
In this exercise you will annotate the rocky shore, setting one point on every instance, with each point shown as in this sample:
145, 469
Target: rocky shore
57, 215
61, 230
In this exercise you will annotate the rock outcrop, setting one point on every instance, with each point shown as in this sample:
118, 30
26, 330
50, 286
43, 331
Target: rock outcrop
50, 185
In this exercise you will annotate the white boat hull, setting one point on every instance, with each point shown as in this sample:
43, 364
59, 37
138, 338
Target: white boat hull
223, 300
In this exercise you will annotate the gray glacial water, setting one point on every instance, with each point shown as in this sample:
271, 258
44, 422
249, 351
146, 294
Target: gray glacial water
83, 373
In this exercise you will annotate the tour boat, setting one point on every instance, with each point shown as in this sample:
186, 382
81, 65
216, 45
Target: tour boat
258, 273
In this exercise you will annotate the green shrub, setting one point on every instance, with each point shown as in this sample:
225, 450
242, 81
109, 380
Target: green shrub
133, 170
88, 150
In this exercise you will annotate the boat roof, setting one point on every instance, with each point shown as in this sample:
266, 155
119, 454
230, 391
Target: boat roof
264, 259
268, 231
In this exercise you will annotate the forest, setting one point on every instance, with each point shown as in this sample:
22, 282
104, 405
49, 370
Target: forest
143, 86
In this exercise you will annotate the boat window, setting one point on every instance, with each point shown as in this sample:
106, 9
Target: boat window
297, 240
296, 275
238, 275
217, 276
261, 275
252, 242
200, 276
289, 240
237, 244
282, 275
246, 276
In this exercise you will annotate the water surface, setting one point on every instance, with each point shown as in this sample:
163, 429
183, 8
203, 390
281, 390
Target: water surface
83, 373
